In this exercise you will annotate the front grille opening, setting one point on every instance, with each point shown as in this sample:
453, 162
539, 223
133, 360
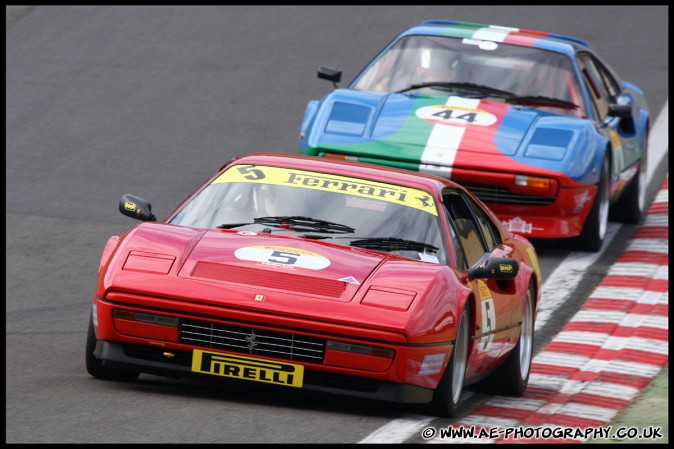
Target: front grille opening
247, 340
500, 195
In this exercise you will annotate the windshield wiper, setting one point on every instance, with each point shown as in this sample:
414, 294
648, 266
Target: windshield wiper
543, 101
295, 223
232, 225
483, 91
392, 243
480, 89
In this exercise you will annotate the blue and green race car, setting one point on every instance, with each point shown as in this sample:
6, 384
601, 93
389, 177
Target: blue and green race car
536, 124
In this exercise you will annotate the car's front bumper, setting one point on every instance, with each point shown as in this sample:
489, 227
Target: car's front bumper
151, 360
167, 340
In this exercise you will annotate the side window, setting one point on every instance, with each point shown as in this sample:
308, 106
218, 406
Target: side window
596, 85
491, 235
456, 244
466, 228
610, 83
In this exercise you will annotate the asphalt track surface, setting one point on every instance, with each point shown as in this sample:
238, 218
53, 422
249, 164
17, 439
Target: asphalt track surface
106, 100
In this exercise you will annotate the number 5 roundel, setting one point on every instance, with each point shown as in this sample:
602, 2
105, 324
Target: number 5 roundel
289, 257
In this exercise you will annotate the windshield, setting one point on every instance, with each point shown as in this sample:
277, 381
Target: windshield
521, 71
340, 209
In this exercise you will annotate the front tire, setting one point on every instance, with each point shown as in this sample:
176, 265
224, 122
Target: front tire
447, 396
95, 366
595, 226
512, 378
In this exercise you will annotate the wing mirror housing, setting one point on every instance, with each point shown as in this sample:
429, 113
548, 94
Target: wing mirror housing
499, 268
136, 207
330, 74
620, 110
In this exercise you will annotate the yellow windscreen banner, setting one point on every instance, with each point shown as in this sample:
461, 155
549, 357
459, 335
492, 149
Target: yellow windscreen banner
345, 185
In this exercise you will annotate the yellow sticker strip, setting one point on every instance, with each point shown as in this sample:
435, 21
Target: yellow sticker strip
483, 289
391, 193
247, 368
534, 262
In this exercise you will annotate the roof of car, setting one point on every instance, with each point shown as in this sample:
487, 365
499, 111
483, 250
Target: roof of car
508, 35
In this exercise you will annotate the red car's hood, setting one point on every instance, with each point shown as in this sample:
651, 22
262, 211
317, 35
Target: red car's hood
206, 270
282, 263
200, 263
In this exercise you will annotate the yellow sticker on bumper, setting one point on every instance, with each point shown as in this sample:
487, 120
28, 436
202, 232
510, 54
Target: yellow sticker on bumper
247, 368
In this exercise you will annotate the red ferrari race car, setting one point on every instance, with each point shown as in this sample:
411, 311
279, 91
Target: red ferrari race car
336, 276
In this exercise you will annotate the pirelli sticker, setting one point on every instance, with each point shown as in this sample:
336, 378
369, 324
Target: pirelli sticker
247, 368
327, 182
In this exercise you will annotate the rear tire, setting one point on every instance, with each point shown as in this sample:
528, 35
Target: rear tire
447, 396
95, 366
595, 226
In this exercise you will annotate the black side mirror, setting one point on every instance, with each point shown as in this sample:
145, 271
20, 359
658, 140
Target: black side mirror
135, 207
499, 268
330, 74
620, 110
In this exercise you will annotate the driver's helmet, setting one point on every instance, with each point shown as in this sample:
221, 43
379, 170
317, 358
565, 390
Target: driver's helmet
274, 200
436, 65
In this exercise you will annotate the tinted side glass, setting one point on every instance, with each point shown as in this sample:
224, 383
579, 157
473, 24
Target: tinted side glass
491, 234
464, 223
